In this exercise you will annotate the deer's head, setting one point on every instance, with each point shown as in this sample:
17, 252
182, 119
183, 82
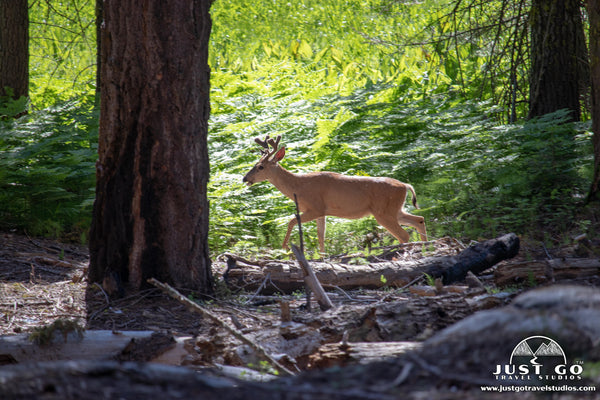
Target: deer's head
268, 161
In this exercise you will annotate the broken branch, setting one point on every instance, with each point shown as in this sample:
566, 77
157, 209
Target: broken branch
214, 318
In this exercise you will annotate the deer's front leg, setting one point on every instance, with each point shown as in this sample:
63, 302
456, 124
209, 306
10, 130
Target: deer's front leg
321, 233
306, 216
291, 226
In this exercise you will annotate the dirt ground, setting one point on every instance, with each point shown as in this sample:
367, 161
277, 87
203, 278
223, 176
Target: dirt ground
42, 280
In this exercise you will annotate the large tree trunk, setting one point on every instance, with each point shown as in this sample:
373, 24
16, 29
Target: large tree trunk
557, 51
151, 211
14, 50
593, 7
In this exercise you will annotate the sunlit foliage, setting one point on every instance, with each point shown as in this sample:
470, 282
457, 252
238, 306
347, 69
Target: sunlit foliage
62, 50
358, 87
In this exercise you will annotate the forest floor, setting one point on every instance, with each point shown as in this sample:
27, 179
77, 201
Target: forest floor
43, 280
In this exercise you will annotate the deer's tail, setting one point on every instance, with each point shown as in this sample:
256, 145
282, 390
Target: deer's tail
414, 195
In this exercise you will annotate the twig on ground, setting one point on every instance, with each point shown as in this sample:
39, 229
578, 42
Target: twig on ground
261, 287
404, 374
102, 290
299, 223
461, 244
387, 296
472, 380
547, 253
418, 278
311, 280
216, 319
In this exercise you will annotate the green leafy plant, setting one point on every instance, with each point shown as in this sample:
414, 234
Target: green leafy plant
264, 367
328, 78
429, 279
47, 169
60, 329
62, 51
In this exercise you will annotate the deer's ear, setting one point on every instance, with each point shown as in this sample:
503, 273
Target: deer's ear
279, 155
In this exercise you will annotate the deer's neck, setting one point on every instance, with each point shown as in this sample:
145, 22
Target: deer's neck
285, 181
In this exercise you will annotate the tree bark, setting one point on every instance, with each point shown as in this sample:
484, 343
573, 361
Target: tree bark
14, 48
593, 7
557, 50
150, 216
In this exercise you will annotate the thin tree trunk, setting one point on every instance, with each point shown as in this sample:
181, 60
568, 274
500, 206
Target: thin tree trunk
14, 48
151, 211
557, 44
99, 19
593, 7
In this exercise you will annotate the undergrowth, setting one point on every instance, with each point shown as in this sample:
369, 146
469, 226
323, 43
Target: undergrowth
327, 77
47, 173
473, 177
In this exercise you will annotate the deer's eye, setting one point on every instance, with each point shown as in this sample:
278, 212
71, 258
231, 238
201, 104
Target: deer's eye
260, 167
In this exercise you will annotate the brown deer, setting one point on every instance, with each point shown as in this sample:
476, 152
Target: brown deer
328, 193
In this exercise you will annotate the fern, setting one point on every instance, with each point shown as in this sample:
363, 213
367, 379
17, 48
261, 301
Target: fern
47, 176
328, 78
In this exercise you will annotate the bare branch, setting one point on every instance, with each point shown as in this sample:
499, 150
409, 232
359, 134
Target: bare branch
219, 321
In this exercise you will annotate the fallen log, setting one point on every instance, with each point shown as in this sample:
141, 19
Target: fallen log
475, 345
536, 272
466, 354
287, 277
401, 320
340, 354
91, 345
107, 380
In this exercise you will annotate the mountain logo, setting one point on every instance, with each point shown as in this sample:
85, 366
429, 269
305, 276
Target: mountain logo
545, 347
538, 358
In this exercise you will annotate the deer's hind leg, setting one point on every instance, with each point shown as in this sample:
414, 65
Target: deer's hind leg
390, 222
415, 221
321, 233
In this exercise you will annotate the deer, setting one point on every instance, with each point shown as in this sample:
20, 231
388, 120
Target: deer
321, 194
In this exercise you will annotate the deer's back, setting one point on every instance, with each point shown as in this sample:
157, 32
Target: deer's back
351, 196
